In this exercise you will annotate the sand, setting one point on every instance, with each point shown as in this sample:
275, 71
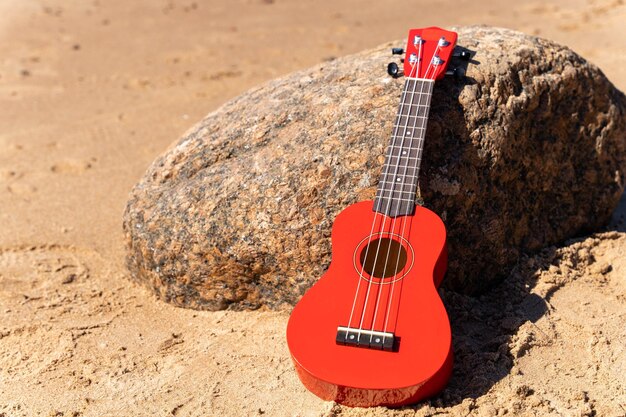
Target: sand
92, 91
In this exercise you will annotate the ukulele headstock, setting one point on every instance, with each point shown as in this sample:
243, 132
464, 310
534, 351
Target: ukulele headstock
427, 54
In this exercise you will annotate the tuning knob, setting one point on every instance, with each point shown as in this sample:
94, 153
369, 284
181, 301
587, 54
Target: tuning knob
397, 51
464, 55
393, 70
456, 72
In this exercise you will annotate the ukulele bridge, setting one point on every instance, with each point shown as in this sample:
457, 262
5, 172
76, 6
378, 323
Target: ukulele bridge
365, 338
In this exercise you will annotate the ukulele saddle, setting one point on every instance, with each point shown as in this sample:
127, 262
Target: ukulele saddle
365, 338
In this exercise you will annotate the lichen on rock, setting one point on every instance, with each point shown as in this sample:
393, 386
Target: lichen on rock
527, 150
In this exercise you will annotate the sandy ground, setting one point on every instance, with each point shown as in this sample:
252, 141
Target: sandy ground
92, 91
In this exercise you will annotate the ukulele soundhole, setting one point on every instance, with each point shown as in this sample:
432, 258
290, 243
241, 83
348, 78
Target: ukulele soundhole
383, 258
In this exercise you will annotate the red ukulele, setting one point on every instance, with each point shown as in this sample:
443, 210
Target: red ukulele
373, 330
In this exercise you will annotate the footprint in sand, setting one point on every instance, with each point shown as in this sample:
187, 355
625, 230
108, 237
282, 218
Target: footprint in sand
72, 166
21, 189
12, 180
36, 284
37, 271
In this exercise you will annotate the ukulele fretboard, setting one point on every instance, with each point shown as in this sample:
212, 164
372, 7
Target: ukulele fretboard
398, 181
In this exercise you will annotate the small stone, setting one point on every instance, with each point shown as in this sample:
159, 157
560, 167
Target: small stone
602, 268
69, 279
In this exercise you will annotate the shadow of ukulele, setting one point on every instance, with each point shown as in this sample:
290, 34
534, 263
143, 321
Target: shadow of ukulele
482, 327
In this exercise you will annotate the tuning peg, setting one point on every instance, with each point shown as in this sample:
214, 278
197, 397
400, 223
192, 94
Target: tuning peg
393, 70
456, 72
464, 55
397, 51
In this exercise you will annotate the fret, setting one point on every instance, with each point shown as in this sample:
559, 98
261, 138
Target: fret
395, 173
410, 200
402, 158
398, 193
412, 112
421, 129
401, 148
408, 145
410, 122
393, 192
397, 151
390, 186
410, 191
404, 145
416, 104
410, 142
406, 167
404, 117
411, 118
410, 83
402, 151
423, 106
411, 134
409, 128
401, 172
419, 92
397, 184
393, 185
411, 97
417, 108
417, 89
427, 80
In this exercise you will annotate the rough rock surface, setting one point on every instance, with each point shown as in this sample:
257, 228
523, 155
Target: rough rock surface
527, 150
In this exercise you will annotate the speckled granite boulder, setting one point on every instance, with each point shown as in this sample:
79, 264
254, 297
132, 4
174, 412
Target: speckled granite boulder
526, 151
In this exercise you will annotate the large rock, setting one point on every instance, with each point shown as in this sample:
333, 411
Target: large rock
526, 151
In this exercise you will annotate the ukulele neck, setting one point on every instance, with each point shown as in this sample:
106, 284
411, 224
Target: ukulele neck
397, 187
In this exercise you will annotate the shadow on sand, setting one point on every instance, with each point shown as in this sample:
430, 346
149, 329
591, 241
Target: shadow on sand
483, 327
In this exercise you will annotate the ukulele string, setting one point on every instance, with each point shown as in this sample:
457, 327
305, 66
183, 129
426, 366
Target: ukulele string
402, 234
390, 199
422, 137
401, 192
371, 235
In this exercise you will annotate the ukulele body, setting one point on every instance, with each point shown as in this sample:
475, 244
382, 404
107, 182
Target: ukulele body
406, 304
